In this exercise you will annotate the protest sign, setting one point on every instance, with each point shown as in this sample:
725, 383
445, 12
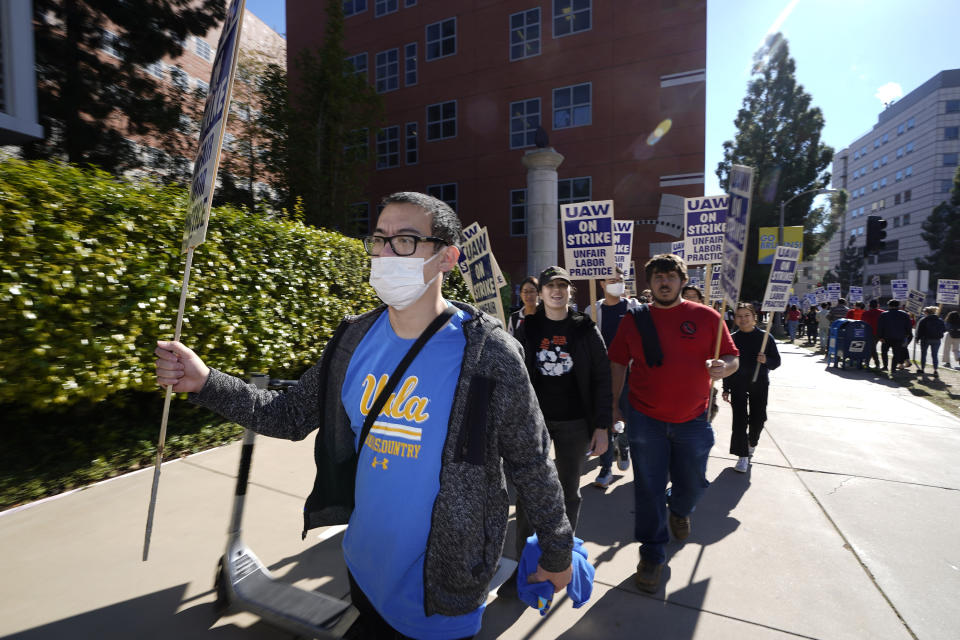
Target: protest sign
781, 279
792, 237
704, 224
794, 301
676, 248
915, 300
212, 127
468, 233
948, 291
821, 295
855, 295
737, 226
716, 286
588, 248
900, 289
622, 244
480, 262
630, 281
833, 291
810, 299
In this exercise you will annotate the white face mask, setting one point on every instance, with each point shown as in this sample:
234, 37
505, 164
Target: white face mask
616, 289
398, 281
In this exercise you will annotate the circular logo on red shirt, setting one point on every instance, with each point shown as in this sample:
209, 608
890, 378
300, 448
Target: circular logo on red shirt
688, 327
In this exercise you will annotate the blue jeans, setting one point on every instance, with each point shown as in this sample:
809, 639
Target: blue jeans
934, 346
659, 448
792, 328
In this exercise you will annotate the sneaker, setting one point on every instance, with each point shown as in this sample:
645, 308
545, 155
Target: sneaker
750, 451
742, 464
622, 454
647, 577
509, 588
604, 479
679, 526
936, 374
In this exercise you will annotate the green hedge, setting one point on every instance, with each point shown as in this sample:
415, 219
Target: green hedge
90, 278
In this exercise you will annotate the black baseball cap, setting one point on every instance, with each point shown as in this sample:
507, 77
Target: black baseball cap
553, 273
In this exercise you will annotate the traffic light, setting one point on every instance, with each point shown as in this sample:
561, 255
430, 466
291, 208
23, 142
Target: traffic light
875, 234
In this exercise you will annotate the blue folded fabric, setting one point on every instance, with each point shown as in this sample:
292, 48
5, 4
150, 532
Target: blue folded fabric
539, 595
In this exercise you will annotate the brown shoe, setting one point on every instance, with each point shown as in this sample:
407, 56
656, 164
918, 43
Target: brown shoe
679, 526
647, 577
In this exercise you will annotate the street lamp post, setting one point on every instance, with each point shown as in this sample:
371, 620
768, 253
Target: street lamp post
776, 329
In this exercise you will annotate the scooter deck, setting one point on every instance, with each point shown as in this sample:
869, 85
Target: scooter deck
308, 613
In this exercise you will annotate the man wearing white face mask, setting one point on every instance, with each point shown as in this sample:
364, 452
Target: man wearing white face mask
426, 498
610, 312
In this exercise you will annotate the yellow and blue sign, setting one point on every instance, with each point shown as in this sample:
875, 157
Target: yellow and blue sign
792, 237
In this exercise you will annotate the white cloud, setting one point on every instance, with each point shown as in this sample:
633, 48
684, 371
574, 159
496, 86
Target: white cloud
889, 92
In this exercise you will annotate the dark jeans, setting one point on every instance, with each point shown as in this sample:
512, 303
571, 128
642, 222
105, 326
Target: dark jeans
370, 624
660, 449
934, 346
900, 353
754, 398
571, 438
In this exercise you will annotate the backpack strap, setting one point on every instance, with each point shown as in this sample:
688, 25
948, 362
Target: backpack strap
652, 352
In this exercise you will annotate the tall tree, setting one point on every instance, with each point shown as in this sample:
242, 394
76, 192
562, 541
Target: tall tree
92, 88
941, 230
778, 134
332, 118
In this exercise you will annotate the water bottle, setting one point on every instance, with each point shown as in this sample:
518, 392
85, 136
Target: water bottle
618, 426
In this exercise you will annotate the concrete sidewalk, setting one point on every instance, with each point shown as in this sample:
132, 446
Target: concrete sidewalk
845, 527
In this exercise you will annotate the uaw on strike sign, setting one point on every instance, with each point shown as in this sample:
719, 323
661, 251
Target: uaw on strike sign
704, 224
588, 248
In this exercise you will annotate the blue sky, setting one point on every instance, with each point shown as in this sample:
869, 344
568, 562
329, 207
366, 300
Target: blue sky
845, 51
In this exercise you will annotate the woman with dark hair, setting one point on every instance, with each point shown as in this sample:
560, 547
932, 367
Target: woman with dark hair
530, 296
747, 398
568, 366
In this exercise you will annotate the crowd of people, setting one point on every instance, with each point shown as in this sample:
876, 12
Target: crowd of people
427, 409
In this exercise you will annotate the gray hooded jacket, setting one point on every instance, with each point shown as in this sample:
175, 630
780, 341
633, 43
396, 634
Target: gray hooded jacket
495, 426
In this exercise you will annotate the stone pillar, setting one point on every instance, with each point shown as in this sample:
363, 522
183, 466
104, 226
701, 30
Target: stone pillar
542, 220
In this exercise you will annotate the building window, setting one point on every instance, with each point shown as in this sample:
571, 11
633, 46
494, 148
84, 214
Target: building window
883, 182
572, 190
906, 219
907, 195
952, 106
201, 87
179, 78
876, 165
863, 150
900, 152
446, 192
570, 16
110, 43
155, 69
518, 212
383, 7
909, 171
359, 64
853, 196
525, 34
863, 191
202, 48
911, 122
409, 3
909, 147
899, 176
856, 155
572, 106
388, 147
874, 186
896, 221
886, 138
361, 217
896, 199
951, 133
876, 143
442, 39
901, 129
950, 159
410, 64
442, 121
353, 7
524, 120
388, 71
412, 146
883, 160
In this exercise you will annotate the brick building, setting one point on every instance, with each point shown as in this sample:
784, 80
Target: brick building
466, 84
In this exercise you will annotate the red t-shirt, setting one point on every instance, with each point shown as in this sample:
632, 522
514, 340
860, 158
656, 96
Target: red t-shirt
855, 314
678, 390
872, 318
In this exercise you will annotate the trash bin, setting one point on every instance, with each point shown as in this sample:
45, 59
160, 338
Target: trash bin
850, 341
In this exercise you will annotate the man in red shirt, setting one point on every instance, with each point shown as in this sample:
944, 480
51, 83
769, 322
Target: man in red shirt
872, 317
671, 374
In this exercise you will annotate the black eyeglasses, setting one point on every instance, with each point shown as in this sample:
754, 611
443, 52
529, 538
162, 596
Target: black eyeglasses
402, 245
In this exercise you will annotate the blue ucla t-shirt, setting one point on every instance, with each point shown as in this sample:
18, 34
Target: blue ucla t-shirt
398, 474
